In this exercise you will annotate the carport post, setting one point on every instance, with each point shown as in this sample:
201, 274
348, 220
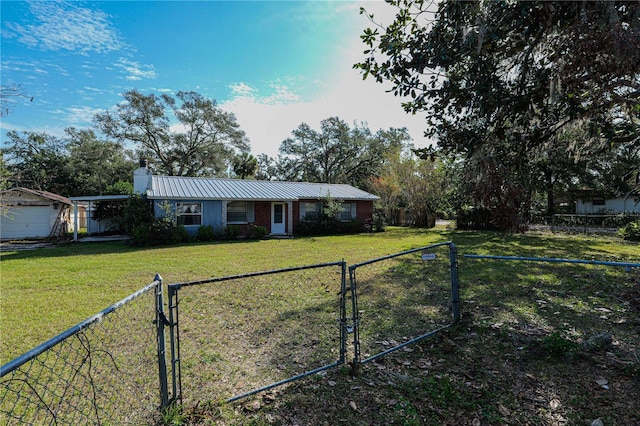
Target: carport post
75, 221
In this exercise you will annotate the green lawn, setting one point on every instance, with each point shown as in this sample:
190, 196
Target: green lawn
46, 291
515, 314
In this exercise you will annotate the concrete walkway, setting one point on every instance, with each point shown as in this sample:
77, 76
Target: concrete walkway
101, 238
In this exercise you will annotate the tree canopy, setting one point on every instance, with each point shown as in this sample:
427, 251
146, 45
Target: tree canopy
77, 164
185, 135
337, 153
504, 83
520, 71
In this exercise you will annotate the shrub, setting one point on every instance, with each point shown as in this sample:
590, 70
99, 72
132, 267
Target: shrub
257, 231
630, 231
165, 231
137, 212
232, 232
205, 233
477, 218
140, 235
378, 223
328, 225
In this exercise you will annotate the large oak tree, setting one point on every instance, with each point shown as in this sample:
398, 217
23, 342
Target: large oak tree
502, 83
185, 135
337, 153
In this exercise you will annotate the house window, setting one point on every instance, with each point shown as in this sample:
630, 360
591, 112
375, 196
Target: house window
240, 212
310, 211
599, 202
189, 214
348, 212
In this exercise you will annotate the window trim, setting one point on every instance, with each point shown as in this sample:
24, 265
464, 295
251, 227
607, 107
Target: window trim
249, 212
197, 214
310, 215
352, 212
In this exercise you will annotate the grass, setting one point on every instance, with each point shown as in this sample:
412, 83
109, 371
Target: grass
504, 363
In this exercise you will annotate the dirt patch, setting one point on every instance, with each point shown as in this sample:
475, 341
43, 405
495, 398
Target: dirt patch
23, 245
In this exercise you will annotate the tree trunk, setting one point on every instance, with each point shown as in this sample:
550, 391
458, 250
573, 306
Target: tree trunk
549, 188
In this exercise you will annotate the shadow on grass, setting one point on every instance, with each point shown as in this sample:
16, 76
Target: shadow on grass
493, 366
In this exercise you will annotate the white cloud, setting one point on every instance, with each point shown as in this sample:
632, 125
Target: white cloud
268, 123
242, 90
134, 70
67, 26
81, 115
268, 119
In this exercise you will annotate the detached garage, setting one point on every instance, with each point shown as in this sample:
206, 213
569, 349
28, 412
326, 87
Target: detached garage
28, 213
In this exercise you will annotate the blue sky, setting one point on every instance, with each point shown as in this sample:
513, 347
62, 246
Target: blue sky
274, 64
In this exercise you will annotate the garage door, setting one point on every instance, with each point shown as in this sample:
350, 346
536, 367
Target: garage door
25, 222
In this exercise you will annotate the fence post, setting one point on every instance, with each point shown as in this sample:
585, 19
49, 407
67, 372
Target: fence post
355, 318
343, 312
455, 284
174, 336
161, 321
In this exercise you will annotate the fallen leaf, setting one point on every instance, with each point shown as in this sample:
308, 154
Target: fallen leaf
424, 364
331, 383
353, 405
252, 406
476, 422
503, 410
597, 422
554, 404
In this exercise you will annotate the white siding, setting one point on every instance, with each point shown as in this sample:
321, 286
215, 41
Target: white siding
27, 222
616, 204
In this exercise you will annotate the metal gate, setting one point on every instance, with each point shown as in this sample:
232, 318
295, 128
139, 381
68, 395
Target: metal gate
402, 298
243, 334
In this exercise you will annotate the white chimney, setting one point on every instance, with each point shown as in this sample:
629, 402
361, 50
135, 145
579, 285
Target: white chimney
142, 178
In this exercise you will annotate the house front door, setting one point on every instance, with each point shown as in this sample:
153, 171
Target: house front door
277, 218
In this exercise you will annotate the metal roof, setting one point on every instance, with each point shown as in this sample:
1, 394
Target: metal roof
178, 187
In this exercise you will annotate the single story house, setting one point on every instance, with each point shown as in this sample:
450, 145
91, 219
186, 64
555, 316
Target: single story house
29, 213
595, 205
278, 206
598, 202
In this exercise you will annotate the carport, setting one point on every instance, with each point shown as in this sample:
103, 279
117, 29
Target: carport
90, 200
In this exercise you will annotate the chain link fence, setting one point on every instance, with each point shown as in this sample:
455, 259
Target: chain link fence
403, 298
102, 371
228, 338
239, 335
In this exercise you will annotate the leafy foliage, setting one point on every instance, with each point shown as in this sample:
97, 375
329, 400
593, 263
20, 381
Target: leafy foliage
37, 160
409, 183
531, 92
245, 165
77, 164
207, 144
631, 231
205, 233
337, 153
